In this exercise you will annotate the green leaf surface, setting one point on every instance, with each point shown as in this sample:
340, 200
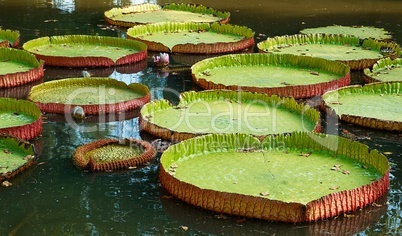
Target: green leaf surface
362, 32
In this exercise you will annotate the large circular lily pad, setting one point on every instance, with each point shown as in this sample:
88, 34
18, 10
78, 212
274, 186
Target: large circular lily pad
197, 38
20, 118
95, 95
384, 70
111, 154
18, 67
344, 48
278, 74
225, 111
290, 178
15, 156
152, 13
86, 50
376, 105
363, 32
9, 38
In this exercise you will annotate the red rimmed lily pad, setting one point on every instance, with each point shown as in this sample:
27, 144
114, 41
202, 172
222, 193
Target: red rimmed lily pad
375, 105
277, 74
9, 38
363, 32
15, 156
344, 48
95, 95
225, 111
384, 70
18, 67
288, 178
20, 118
193, 38
152, 13
86, 50
113, 154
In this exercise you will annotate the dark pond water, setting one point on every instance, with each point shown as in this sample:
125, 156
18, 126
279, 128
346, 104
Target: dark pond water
56, 198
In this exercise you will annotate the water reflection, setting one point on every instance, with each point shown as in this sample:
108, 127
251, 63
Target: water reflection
65, 5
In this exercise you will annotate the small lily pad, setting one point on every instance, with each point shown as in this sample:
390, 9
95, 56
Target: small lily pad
112, 154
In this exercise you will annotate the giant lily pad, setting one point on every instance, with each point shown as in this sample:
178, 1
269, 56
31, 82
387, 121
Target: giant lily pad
86, 50
111, 154
15, 156
225, 111
95, 95
363, 32
197, 38
344, 48
152, 13
289, 178
9, 38
20, 118
384, 70
18, 67
280, 74
375, 105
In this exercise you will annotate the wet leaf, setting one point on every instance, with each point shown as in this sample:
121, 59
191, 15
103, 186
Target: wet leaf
348, 215
333, 187
305, 154
6, 183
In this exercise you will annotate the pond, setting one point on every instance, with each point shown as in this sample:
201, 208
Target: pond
54, 197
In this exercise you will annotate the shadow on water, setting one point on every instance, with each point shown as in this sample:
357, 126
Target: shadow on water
56, 198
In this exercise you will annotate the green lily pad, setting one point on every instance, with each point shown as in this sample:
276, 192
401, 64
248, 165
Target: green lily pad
95, 95
344, 48
86, 50
280, 74
15, 156
152, 13
189, 37
290, 178
384, 70
363, 32
20, 118
9, 38
375, 105
111, 154
18, 67
225, 111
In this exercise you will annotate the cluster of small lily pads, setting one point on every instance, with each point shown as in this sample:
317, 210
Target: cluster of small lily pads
250, 104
